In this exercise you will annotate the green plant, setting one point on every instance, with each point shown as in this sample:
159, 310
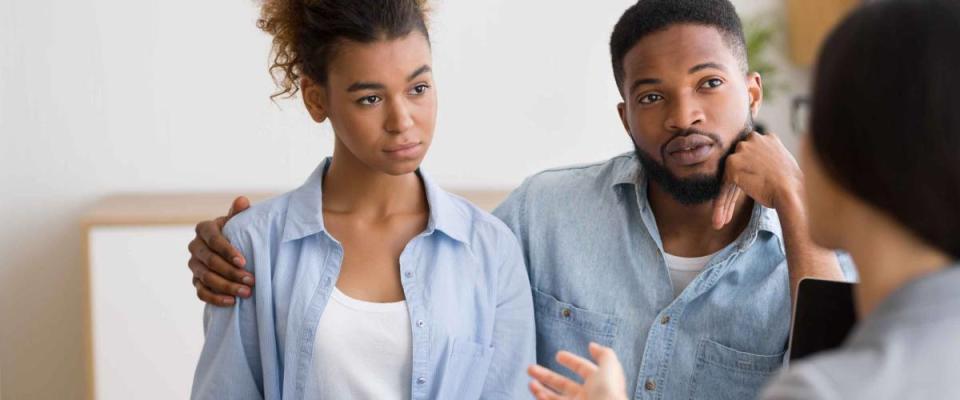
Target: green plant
760, 33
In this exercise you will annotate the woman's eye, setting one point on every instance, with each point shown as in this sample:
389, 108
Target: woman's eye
369, 100
420, 89
650, 98
712, 83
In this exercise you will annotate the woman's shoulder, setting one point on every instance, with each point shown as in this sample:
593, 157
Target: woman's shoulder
483, 233
262, 221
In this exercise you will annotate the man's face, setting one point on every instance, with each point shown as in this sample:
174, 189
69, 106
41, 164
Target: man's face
687, 103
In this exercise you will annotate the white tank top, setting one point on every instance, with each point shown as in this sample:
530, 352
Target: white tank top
362, 350
684, 270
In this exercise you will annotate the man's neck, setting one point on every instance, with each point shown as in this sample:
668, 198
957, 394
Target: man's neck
687, 230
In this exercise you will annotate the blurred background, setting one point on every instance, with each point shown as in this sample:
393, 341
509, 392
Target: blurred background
156, 98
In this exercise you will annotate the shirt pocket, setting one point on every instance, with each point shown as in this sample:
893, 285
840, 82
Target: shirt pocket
563, 326
465, 370
724, 373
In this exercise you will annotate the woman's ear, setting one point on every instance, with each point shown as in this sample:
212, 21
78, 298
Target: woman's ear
755, 91
314, 98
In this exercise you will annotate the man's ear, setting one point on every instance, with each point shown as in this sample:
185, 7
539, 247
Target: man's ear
622, 111
314, 98
755, 91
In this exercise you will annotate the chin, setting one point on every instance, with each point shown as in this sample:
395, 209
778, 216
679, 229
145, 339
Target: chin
696, 172
398, 168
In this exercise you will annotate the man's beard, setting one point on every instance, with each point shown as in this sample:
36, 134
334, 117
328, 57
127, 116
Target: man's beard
696, 189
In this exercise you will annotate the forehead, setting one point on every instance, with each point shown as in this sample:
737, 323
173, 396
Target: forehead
383, 60
676, 49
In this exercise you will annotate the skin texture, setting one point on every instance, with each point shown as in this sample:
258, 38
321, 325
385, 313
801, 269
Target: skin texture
380, 100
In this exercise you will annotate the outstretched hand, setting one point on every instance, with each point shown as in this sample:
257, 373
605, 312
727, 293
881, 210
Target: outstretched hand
601, 381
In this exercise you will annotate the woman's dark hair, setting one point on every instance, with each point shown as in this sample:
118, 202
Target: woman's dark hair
885, 118
306, 33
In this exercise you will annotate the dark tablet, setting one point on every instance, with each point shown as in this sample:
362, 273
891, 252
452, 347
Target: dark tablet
823, 317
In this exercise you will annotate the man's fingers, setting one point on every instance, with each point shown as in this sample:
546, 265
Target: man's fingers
543, 393
720, 205
220, 245
216, 282
225, 269
599, 353
557, 382
734, 197
206, 296
239, 205
213, 238
604, 356
575, 363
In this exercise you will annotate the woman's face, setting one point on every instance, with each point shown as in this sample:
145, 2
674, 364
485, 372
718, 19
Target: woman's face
381, 101
828, 206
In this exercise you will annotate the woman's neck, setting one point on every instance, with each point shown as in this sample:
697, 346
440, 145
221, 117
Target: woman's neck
351, 187
888, 257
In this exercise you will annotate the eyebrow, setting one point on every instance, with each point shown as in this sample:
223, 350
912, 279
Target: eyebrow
358, 86
645, 81
706, 65
696, 68
420, 71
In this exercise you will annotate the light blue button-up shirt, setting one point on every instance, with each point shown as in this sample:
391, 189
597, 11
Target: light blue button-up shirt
596, 265
464, 280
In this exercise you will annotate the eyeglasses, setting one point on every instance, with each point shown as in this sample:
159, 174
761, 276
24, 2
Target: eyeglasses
800, 115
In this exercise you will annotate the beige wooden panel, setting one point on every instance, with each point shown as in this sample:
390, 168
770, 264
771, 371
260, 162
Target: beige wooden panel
190, 208
810, 22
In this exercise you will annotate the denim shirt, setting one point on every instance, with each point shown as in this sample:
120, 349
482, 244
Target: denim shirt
465, 285
596, 265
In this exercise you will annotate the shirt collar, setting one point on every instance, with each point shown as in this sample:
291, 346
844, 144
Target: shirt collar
630, 173
305, 209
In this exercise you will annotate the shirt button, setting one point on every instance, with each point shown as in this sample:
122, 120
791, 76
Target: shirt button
665, 320
566, 312
408, 274
650, 385
421, 380
420, 323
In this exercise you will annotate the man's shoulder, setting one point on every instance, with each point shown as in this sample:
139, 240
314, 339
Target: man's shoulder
583, 175
566, 188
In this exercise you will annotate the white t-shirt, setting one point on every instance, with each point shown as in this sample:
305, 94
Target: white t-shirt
684, 270
362, 350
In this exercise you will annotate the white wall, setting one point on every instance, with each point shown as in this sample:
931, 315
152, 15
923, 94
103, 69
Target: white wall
100, 96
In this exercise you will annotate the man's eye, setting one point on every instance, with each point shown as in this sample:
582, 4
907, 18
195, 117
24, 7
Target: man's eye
369, 100
712, 83
420, 89
650, 98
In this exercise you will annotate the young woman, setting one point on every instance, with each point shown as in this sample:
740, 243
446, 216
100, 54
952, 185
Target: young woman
373, 283
882, 171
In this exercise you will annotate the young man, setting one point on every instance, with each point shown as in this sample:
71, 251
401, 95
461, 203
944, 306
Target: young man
675, 255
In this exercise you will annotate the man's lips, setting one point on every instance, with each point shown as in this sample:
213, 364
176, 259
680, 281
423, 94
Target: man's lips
689, 150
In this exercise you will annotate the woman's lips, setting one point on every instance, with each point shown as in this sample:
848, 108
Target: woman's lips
408, 150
